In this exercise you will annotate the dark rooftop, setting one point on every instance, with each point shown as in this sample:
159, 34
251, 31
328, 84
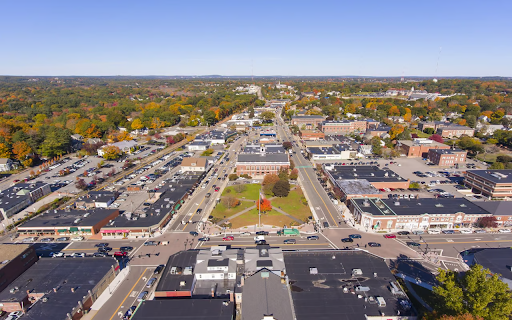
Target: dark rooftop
98, 196
264, 294
370, 173
447, 151
408, 207
322, 283
68, 218
269, 148
171, 282
496, 176
218, 263
272, 157
497, 208
82, 274
308, 117
191, 309
498, 260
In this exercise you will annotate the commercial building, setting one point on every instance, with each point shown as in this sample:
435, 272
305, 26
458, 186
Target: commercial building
216, 136
334, 152
16, 259
68, 222
307, 122
96, 199
177, 280
264, 148
54, 288
501, 210
447, 157
141, 224
455, 131
379, 178
262, 163
347, 284
193, 164
311, 135
415, 214
198, 145
419, 147
192, 309
357, 189
432, 125
378, 132
342, 126
125, 146
490, 183
20, 196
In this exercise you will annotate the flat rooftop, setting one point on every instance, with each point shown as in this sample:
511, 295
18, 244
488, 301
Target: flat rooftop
82, 274
498, 260
496, 176
318, 278
68, 218
355, 187
269, 148
269, 157
11, 251
448, 151
370, 173
171, 282
408, 207
424, 143
190, 309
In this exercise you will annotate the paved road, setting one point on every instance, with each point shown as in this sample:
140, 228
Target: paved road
243, 241
319, 200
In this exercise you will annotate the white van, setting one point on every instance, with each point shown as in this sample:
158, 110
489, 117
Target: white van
258, 238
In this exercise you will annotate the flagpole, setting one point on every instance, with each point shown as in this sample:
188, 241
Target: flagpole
259, 208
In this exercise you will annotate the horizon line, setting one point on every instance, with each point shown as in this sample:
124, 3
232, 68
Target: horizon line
265, 76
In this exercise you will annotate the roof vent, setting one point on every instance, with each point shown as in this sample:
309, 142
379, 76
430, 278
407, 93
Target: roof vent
183, 283
397, 203
357, 272
313, 271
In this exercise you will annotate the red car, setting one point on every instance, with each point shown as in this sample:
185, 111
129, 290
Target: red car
228, 238
389, 236
120, 254
217, 189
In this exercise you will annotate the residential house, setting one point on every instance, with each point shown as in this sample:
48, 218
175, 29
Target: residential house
6, 164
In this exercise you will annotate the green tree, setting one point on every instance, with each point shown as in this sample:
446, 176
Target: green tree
477, 292
376, 145
111, 152
209, 117
251, 112
283, 175
57, 142
497, 166
281, 188
429, 130
267, 115
207, 152
233, 177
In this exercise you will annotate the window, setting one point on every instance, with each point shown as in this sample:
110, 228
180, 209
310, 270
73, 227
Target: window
498, 218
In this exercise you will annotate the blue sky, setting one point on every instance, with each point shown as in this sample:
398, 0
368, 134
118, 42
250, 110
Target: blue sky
280, 37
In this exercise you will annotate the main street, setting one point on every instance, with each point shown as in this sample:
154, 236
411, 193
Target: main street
320, 202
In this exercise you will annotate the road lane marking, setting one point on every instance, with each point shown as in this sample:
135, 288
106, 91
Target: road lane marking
471, 241
129, 293
281, 244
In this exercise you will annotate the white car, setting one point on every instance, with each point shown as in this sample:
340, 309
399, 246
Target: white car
79, 238
465, 231
504, 230
434, 231
57, 254
77, 254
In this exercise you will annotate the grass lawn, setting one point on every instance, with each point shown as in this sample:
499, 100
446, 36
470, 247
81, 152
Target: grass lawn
250, 193
293, 205
491, 157
221, 212
250, 218
421, 134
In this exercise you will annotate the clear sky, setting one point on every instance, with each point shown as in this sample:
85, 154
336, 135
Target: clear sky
279, 37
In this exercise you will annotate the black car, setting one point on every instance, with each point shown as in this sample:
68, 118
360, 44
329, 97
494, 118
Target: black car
128, 314
159, 269
312, 238
193, 233
203, 239
347, 240
262, 233
260, 242
413, 244
127, 249
99, 254
326, 225
403, 233
99, 245
355, 236
104, 249
373, 244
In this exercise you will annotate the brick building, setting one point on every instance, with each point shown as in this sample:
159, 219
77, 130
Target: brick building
455, 131
447, 157
342, 127
261, 164
501, 210
311, 135
490, 183
21, 195
419, 147
415, 214
308, 122
16, 259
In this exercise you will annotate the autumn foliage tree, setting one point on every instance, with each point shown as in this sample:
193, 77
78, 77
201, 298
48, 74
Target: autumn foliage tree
437, 138
270, 178
111, 152
488, 222
264, 205
22, 151
230, 202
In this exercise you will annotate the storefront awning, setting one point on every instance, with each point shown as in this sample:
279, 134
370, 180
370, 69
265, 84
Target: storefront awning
115, 231
177, 206
72, 229
86, 230
62, 230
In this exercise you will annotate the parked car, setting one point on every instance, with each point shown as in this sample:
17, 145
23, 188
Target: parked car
77, 254
389, 236
480, 231
313, 238
504, 230
448, 231
290, 241
373, 244
465, 231
326, 224
151, 243
150, 283
403, 233
100, 254
46, 240
159, 269
57, 254
142, 296
62, 239
262, 233
79, 238
101, 244
434, 231
128, 314
228, 238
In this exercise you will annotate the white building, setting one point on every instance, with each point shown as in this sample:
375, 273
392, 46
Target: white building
5, 164
193, 164
216, 264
